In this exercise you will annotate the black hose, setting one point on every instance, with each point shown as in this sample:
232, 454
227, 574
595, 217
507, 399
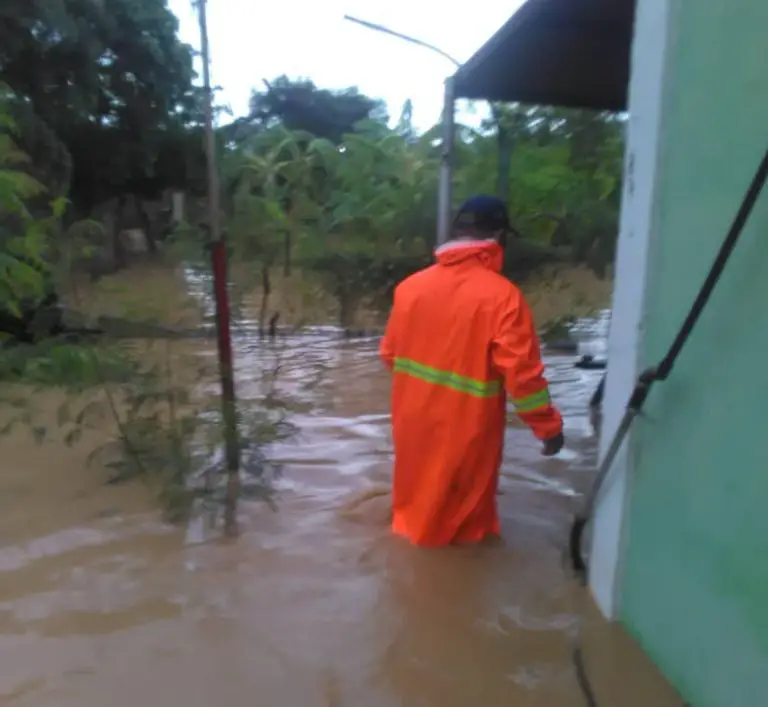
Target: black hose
750, 199
662, 371
597, 397
583, 678
578, 563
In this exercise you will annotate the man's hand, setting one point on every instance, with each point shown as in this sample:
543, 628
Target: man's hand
553, 445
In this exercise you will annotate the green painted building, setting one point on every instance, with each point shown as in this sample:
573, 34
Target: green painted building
680, 542
690, 577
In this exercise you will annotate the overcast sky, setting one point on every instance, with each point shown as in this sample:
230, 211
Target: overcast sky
251, 41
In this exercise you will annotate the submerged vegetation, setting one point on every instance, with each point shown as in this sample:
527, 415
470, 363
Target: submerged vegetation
102, 169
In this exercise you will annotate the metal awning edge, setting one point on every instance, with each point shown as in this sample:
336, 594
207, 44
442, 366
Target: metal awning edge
512, 25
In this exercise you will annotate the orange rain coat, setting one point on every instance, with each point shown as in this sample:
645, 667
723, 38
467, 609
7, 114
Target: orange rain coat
459, 335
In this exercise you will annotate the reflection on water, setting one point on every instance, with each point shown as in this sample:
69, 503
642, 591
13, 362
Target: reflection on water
102, 604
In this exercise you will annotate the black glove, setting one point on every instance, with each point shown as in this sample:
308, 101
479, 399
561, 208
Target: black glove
553, 445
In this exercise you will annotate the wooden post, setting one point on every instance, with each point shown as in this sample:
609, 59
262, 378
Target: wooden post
221, 294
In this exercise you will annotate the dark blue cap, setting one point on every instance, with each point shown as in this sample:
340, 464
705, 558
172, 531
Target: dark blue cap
483, 213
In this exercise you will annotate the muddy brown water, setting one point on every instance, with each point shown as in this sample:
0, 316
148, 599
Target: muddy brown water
315, 605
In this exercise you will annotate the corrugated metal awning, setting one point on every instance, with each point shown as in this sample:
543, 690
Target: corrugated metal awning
572, 53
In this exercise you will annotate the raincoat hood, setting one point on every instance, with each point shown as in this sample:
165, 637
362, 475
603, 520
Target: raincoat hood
487, 253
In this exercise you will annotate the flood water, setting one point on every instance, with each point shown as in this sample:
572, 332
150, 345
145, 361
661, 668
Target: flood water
315, 604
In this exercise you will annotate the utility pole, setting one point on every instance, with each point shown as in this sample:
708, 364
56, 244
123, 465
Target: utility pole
445, 189
221, 294
448, 131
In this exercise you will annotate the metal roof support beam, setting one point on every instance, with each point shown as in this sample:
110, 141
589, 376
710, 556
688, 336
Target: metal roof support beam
447, 152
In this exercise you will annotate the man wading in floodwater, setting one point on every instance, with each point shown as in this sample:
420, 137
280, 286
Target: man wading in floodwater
459, 335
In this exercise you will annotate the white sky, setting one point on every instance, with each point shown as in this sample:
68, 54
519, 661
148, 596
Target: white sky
252, 41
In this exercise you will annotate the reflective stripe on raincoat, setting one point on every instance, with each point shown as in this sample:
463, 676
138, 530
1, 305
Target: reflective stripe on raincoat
459, 338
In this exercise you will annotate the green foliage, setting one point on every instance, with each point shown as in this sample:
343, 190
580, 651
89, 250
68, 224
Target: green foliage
104, 88
53, 363
23, 237
158, 429
161, 427
170, 435
360, 211
108, 84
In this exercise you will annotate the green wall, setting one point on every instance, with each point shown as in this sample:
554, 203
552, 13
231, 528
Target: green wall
695, 571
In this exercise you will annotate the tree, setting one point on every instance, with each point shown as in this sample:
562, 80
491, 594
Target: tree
358, 208
299, 105
112, 81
